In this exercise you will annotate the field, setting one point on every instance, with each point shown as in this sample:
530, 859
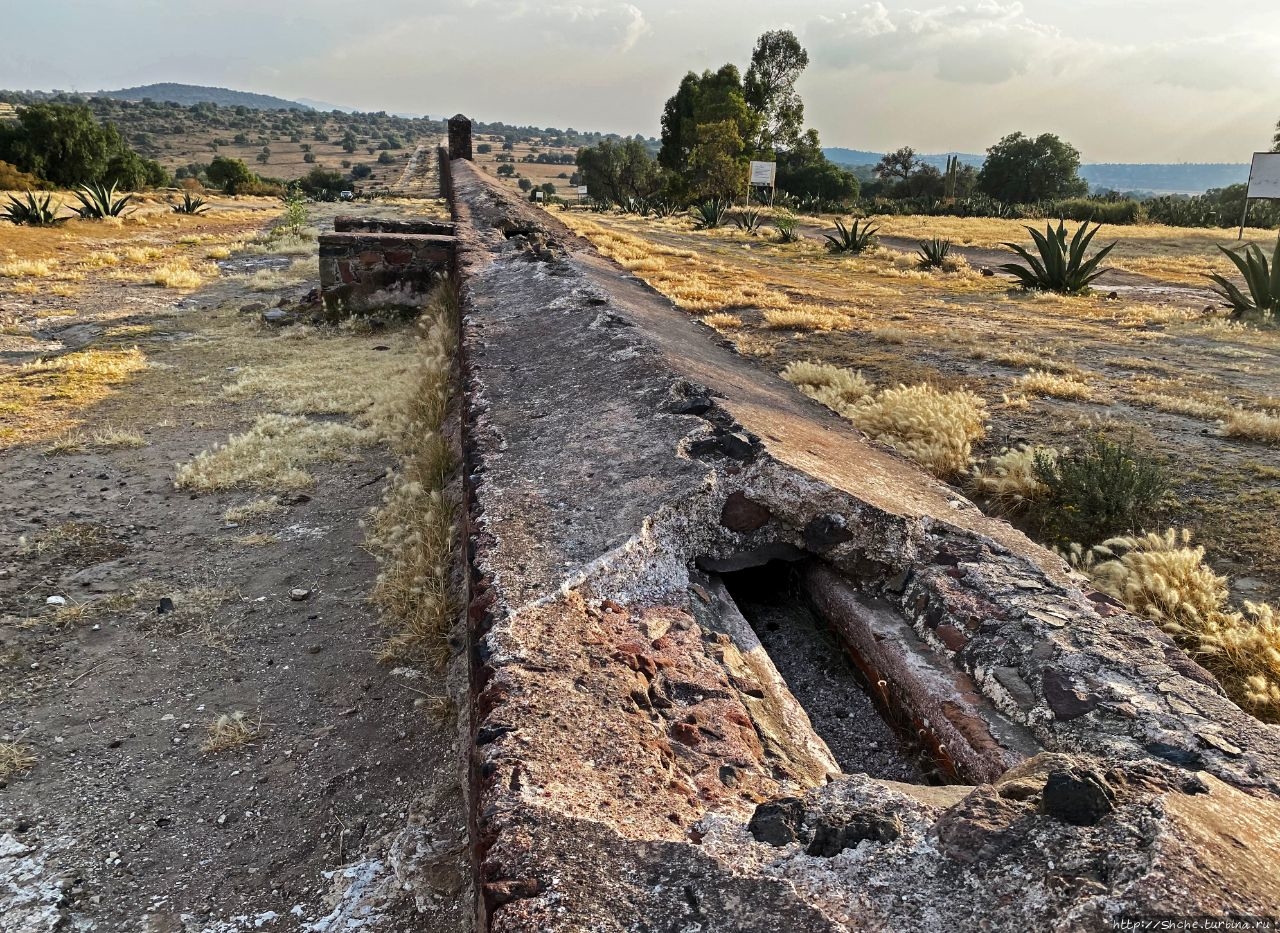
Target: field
1149, 355
190, 634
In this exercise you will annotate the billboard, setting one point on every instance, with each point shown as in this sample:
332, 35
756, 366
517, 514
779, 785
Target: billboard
1264, 175
762, 173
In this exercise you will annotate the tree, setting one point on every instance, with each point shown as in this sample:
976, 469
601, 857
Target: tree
322, 183
60, 143
1275, 140
506, 170
770, 88
484, 148
899, 164
385, 158
805, 169
264, 156
1022, 170
712, 97
349, 142
361, 170
717, 163
524, 184
616, 171
228, 174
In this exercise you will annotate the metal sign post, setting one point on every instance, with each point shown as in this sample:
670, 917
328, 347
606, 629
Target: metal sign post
582, 191
1264, 183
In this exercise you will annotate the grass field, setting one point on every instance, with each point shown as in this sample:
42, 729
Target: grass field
1051, 369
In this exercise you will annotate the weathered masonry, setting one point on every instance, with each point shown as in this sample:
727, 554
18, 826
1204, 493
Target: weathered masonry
735, 668
374, 263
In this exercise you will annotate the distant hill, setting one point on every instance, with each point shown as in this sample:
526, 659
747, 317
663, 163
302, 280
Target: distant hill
188, 94
1153, 177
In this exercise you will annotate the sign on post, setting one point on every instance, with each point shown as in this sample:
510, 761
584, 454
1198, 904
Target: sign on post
582, 192
762, 173
1264, 182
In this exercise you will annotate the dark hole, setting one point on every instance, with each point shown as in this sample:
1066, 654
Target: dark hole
820, 674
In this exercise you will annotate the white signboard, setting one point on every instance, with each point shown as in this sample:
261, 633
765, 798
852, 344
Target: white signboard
582, 189
1264, 175
762, 173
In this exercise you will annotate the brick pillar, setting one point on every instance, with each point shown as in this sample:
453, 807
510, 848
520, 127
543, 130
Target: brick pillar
459, 137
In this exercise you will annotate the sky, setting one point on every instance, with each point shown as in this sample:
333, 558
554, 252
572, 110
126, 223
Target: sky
1123, 80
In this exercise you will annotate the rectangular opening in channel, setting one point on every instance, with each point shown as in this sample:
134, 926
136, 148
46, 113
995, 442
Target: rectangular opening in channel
817, 669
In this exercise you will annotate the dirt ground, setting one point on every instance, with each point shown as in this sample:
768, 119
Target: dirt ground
133, 614
1153, 361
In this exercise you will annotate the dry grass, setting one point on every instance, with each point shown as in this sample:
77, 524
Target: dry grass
1008, 482
1253, 426
179, 274
256, 539
108, 438
412, 532
299, 271
272, 454
934, 428
1184, 405
1162, 577
14, 757
252, 510
26, 269
41, 394
231, 730
1039, 382
807, 317
723, 321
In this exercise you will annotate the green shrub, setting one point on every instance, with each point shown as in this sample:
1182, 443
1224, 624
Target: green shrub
13, 180
851, 239
1098, 211
98, 201
933, 253
788, 227
1262, 281
1060, 266
1099, 490
33, 212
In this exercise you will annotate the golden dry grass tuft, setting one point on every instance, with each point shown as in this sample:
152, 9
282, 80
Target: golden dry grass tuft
107, 438
722, 321
231, 730
1253, 426
1040, 382
14, 757
934, 428
1164, 578
1008, 482
178, 273
272, 454
39, 395
252, 510
412, 532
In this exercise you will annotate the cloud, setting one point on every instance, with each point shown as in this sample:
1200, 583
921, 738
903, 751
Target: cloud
991, 42
981, 43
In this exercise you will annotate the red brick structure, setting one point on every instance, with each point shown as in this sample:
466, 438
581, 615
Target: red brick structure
367, 271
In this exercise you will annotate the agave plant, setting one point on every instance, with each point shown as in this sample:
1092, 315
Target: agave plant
710, 214
1061, 266
190, 204
1262, 280
787, 226
933, 253
851, 239
34, 212
748, 221
661, 207
98, 201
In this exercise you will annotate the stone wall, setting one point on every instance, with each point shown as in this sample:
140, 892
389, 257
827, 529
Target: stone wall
387, 225
369, 271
